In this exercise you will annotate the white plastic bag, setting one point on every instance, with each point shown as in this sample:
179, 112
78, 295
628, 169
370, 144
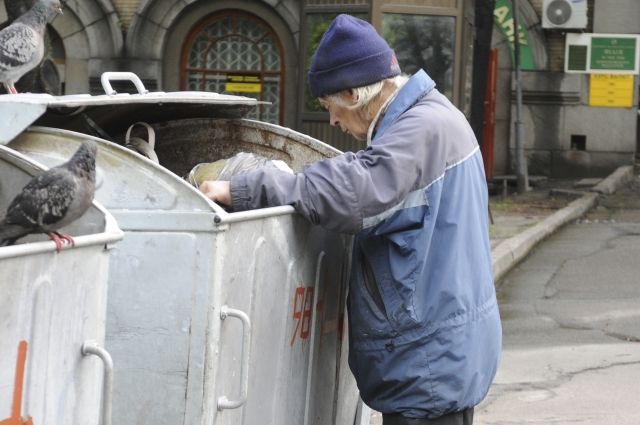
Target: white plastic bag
224, 169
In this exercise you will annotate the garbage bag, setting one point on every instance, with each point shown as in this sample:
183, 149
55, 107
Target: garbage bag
224, 169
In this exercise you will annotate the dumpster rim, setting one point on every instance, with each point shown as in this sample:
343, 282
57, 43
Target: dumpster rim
215, 208
111, 235
225, 216
78, 100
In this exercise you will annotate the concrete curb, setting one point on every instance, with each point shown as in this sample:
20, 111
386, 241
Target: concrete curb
619, 177
511, 251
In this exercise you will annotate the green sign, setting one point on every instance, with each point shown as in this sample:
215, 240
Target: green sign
588, 53
577, 58
613, 54
503, 18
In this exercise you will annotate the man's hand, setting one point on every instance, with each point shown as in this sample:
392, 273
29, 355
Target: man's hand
217, 191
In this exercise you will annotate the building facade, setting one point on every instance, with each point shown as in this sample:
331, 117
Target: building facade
262, 48
567, 131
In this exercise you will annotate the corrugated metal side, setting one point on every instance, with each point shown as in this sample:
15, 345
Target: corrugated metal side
292, 282
54, 302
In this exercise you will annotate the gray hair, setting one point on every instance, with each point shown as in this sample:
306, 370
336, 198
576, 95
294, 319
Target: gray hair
366, 94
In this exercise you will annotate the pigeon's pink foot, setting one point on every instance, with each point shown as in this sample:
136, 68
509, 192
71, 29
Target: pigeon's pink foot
59, 239
10, 88
56, 240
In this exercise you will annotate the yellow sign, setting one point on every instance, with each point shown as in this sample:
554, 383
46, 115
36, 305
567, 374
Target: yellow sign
243, 84
613, 90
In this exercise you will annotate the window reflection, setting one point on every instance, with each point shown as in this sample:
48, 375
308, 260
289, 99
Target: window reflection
317, 25
236, 44
423, 42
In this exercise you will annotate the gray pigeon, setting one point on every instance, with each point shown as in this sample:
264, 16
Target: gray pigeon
22, 42
53, 199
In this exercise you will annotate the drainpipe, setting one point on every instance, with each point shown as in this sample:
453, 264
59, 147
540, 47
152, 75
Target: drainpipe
521, 161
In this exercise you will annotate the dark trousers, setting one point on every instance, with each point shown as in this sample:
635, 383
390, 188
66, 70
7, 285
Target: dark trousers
458, 418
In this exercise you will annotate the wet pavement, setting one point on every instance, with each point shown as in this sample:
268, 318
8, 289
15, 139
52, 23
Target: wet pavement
571, 324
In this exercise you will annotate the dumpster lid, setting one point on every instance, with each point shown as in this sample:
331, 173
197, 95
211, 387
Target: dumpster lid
112, 113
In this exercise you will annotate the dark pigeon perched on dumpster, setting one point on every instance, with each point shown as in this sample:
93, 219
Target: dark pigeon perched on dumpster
22, 42
53, 199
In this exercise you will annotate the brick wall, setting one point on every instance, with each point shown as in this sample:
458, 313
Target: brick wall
537, 6
126, 9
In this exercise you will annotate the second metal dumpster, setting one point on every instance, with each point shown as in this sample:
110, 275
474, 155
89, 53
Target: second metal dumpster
213, 317
51, 304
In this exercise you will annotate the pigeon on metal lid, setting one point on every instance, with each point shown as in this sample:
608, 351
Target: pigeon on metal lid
53, 199
22, 42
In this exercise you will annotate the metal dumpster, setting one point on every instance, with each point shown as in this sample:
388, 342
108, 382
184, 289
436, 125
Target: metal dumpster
213, 317
50, 305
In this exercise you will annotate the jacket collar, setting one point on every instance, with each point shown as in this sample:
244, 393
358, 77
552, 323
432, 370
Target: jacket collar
415, 89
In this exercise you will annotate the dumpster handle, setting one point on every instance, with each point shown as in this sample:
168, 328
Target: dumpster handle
92, 348
223, 401
107, 77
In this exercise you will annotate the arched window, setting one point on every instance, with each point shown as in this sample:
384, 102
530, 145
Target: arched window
237, 53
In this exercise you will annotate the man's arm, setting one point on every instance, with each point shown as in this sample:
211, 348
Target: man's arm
340, 192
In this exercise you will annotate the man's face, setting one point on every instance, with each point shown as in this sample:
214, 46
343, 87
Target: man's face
349, 120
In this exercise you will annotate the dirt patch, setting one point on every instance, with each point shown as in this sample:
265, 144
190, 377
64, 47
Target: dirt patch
542, 200
515, 212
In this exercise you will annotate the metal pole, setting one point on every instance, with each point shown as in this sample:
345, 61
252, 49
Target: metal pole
521, 161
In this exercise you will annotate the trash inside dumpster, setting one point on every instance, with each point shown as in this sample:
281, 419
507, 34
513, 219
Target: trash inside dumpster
213, 317
51, 304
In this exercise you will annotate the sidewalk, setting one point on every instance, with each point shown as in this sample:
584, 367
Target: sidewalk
521, 221
571, 323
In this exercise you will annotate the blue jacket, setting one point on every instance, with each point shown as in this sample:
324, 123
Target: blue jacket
424, 327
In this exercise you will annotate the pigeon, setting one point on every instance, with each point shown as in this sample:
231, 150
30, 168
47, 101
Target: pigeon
53, 199
22, 42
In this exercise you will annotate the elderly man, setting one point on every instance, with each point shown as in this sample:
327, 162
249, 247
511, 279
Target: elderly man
424, 327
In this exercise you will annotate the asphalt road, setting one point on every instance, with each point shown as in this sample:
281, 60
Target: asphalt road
571, 324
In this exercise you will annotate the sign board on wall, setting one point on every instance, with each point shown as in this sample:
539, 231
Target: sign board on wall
612, 53
602, 53
503, 19
611, 90
243, 84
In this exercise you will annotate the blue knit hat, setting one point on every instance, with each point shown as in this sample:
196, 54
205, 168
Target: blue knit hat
351, 54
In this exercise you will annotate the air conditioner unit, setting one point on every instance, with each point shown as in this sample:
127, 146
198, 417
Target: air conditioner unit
563, 14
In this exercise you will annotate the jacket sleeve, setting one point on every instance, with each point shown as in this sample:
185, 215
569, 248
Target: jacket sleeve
338, 193
320, 192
